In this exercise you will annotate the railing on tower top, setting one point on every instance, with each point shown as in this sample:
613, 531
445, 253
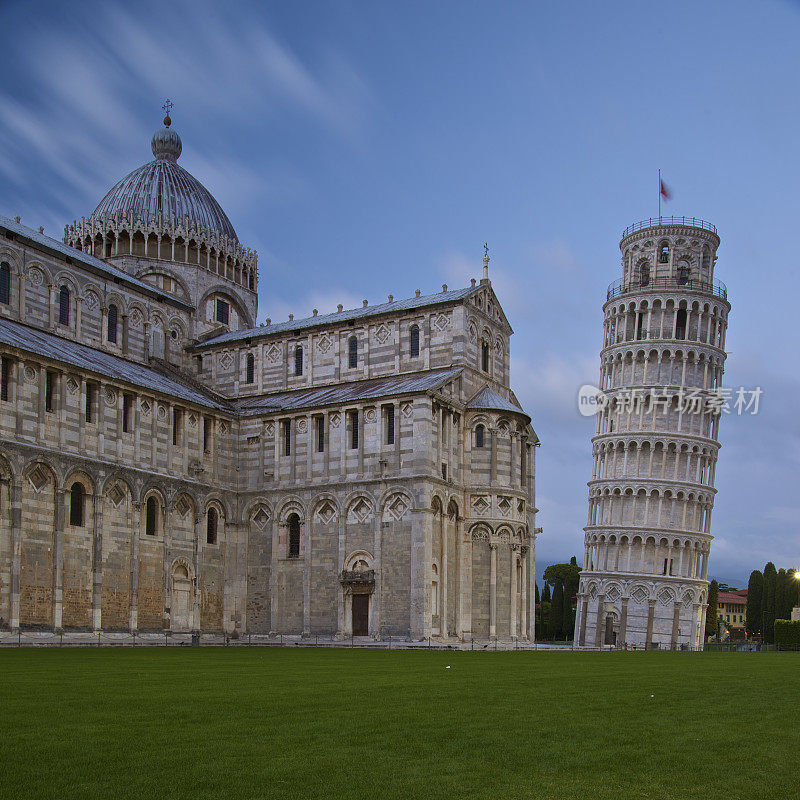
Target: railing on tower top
673, 283
653, 222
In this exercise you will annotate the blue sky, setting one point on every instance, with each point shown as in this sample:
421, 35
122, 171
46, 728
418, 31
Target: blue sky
368, 149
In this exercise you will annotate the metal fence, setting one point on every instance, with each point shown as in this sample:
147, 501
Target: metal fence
651, 222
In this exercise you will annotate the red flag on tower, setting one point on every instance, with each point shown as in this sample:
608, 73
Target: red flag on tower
665, 192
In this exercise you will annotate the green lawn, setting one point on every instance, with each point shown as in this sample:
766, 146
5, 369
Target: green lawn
274, 723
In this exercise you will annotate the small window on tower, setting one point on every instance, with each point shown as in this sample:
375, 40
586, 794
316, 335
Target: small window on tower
63, 306
251, 368
223, 312
352, 351
479, 434
112, 324
298, 360
414, 344
5, 283
485, 356
644, 273
663, 253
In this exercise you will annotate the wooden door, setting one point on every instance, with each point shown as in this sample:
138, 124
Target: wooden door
360, 614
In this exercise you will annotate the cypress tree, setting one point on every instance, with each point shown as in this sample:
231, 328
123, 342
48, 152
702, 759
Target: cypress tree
768, 603
712, 612
546, 597
555, 627
755, 589
538, 599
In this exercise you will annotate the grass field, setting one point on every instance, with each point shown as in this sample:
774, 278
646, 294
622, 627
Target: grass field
279, 723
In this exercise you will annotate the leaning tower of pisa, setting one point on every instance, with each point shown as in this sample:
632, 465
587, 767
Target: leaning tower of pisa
648, 534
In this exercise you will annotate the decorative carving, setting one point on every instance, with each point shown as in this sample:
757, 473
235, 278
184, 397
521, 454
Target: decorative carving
72, 385
325, 512
111, 396
162, 412
665, 596
359, 511
261, 518
302, 425
116, 494
441, 322
370, 415
639, 594
504, 506
35, 277
183, 506
30, 374
324, 343
135, 318
223, 426
335, 419
396, 507
39, 478
480, 535
273, 354
144, 407
383, 333
481, 504
407, 410
270, 429
225, 360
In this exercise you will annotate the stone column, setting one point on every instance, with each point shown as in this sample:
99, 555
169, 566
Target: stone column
493, 589
58, 558
583, 610
600, 627
420, 599
197, 609
623, 620
651, 612
465, 581
676, 618
16, 551
97, 565
133, 527
514, 599
307, 528
523, 605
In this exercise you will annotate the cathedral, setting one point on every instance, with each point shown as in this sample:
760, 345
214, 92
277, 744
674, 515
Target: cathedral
168, 464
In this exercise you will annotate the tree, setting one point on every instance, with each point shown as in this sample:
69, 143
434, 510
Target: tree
546, 593
712, 621
555, 626
755, 589
768, 603
783, 598
538, 599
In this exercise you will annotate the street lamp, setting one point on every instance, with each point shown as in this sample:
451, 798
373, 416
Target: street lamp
797, 578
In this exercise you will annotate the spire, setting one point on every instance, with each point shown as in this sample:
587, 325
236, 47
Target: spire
485, 263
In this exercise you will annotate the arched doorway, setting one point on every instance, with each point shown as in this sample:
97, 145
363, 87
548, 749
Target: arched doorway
181, 609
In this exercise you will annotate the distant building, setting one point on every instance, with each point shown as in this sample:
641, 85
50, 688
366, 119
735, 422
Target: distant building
731, 607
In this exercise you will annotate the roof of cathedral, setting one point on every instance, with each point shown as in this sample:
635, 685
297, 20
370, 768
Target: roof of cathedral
163, 190
80, 356
94, 264
338, 393
489, 399
342, 316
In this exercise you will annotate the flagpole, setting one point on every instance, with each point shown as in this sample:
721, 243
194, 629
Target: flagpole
659, 197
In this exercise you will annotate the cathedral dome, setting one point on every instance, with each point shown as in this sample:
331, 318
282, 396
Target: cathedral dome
164, 192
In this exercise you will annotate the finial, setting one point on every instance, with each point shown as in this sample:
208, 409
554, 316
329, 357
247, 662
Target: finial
167, 108
485, 261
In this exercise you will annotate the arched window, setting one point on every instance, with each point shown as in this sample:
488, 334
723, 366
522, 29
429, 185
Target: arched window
298, 360
76, 496
5, 283
706, 258
644, 274
680, 324
435, 591
294, 536
63, 306
250, 369
352, 349
479, 432
485, 356
212, 521
414, 344
112, 324
663, 253
151, 517
683, 273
